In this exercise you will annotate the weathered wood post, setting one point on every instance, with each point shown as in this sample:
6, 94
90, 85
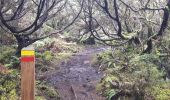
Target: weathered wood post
27, 73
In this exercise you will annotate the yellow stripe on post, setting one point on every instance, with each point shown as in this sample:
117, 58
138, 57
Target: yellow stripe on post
27, 53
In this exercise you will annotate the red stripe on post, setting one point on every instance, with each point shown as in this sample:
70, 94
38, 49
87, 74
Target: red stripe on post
27, 59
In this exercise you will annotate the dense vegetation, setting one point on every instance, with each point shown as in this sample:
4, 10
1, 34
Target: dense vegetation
136, 67
133, 75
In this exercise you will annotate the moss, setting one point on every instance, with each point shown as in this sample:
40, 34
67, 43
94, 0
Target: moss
38, 55
47, 56
47, 29
63, 56
48, 92
129, 35
160, 91
40, 98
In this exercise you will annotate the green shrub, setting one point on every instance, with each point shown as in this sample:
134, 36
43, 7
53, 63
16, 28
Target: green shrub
39, 98
161, 91
105, 86
5, 54
140, 71
47, 91
9, 85
14, 62
47, 56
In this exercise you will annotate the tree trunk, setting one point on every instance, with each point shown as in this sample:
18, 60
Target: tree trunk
149, 47
149, 42
20, 43
18, 51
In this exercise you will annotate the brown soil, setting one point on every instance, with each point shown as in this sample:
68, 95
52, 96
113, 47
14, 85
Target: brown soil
77, 78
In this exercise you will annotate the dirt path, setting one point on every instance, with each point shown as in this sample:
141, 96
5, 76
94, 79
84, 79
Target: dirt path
76, 79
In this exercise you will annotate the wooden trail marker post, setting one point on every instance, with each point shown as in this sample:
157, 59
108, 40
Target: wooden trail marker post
27, 73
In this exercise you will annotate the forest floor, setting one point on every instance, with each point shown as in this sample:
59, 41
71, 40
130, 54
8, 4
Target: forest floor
77, 78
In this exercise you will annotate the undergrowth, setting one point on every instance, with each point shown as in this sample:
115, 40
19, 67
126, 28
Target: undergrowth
49, 53
132, 75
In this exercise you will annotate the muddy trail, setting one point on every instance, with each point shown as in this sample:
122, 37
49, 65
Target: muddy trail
77, 78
